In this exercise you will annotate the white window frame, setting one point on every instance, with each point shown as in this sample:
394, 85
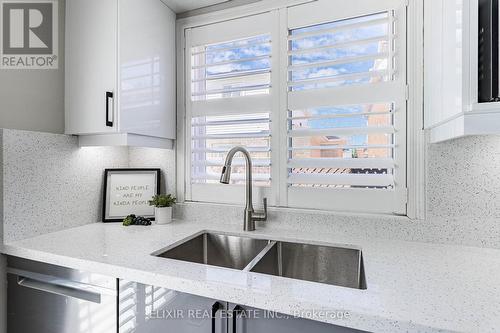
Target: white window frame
415, 164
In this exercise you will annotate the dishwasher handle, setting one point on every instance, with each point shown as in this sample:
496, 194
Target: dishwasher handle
59, 286
236, 312
59, 290
215, 308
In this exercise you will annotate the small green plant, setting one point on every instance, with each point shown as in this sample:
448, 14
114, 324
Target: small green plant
162, 200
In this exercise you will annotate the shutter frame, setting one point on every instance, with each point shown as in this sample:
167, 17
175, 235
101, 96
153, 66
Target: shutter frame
320, 190
216, 117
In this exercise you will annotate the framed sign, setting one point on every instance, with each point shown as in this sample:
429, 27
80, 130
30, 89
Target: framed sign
127, 191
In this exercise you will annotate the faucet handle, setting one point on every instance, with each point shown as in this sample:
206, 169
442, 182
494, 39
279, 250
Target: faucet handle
262, 215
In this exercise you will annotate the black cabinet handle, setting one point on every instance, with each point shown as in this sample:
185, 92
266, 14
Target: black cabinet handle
109, 95
236, 311
215, 307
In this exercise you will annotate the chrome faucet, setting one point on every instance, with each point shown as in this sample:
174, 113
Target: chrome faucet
250, 215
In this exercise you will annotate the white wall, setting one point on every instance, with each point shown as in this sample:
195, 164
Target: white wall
463, 178
50, 183
34, 99
156, 158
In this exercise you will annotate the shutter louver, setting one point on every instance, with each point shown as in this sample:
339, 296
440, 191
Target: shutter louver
213, 136
231, 69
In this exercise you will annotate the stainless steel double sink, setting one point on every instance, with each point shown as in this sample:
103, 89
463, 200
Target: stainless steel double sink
316, 263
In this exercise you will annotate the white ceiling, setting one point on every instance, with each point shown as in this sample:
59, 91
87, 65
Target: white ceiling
180, 6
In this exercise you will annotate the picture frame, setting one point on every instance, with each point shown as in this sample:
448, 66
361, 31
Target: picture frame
127, 191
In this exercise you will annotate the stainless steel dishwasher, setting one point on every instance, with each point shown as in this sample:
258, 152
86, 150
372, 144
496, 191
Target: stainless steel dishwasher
44, 298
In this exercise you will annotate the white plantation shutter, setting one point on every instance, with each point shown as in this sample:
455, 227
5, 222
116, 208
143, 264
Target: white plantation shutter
230, 104
316, 92
346, 118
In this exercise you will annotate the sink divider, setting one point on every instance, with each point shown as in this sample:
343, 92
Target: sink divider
205, 248
280, 258
259, 256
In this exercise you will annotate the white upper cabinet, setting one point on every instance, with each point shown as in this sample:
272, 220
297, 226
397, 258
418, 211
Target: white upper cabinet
120, 72
91, 71
452, 107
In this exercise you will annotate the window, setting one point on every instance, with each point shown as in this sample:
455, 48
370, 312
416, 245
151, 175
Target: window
347, 114
340, 114
230, 105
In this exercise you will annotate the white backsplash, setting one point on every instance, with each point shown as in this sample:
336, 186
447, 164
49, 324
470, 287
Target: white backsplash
154, 158
463, 202
51, 184
478, 232
463, 178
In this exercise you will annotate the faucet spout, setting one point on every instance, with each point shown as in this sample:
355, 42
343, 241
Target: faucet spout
226, 173
225, 177
250, 215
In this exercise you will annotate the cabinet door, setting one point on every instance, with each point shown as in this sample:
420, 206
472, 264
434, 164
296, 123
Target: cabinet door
147, 68
148, 309
91, 62
251, 320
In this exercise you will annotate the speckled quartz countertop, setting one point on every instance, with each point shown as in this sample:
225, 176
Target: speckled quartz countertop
412, 287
